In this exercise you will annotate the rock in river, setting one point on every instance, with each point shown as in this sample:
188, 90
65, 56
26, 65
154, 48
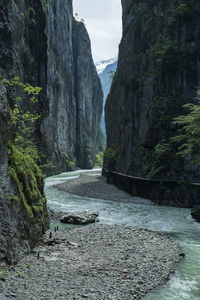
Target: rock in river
195, 212
80, 217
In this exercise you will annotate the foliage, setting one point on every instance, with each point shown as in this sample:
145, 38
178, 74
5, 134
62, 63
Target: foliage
23, 116
23, 157
111, 157
167, 53
184, 145
31, 9
183, 10
188, 137
45, 5
99, 159
70, 162
162, 156
88, 157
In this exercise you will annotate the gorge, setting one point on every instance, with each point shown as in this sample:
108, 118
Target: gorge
158, 72
43, 46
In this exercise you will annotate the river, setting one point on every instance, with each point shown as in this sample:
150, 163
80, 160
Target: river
175, 222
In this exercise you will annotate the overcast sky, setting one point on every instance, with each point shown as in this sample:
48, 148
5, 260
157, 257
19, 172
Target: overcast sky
104, 25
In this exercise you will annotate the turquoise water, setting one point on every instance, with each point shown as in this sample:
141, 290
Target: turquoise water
175, 222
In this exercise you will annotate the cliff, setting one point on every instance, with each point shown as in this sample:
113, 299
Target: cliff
89, 99
71, 129
158, 72
106, 70
23, 213
42, 44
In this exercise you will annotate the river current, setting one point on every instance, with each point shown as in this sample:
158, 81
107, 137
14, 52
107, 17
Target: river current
184, 284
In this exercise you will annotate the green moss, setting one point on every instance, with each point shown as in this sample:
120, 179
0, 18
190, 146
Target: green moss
33, 21
45, 6
15, 199
4, 275
31, 9
29, 180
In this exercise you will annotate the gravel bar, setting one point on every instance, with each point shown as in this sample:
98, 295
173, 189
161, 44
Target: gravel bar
93, 185
99, 262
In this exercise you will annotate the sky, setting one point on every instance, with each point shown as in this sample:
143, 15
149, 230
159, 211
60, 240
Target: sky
104, 25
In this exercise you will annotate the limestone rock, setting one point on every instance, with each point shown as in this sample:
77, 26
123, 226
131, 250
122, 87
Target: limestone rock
158, 72
43, 45
71, 128
22, 54
81, 217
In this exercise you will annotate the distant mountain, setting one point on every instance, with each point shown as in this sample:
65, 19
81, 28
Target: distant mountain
106, 70
101, 66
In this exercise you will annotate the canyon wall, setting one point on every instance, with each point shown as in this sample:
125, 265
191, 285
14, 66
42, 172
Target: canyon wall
106, 70
23, 212
71, 130
43, 45
158, 72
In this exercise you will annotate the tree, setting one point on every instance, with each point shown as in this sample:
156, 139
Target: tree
188, 137
23, 115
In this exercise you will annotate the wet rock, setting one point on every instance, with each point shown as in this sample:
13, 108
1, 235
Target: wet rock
195, 212
80, 217
55, 215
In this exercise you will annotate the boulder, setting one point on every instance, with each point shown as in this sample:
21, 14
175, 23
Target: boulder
195, 212
80, 217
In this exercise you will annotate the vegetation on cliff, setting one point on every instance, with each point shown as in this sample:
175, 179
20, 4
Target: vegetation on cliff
188, 135
158, 72
23, 157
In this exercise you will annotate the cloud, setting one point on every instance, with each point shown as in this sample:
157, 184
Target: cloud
104, 25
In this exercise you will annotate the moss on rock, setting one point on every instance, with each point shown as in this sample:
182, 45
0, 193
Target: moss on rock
29, 181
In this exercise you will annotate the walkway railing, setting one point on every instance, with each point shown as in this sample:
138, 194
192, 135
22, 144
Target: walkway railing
162, 192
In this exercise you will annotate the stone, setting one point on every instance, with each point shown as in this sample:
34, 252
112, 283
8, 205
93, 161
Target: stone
146, 95
80, 217
97, 272
47, 48
71, 129
23, 54
195, 212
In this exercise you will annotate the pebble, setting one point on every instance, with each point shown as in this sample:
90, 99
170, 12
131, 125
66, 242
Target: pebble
110, 262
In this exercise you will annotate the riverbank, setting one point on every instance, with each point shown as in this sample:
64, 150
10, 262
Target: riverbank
96, 262
99, 262
93, 185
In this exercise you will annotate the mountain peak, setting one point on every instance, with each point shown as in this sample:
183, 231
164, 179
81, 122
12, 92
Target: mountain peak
100, 66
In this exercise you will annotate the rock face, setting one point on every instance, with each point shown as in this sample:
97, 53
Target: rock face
89, 99
71, 130
106, 70
195, 212
23, 218
43, 45
80, 217
158, 72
